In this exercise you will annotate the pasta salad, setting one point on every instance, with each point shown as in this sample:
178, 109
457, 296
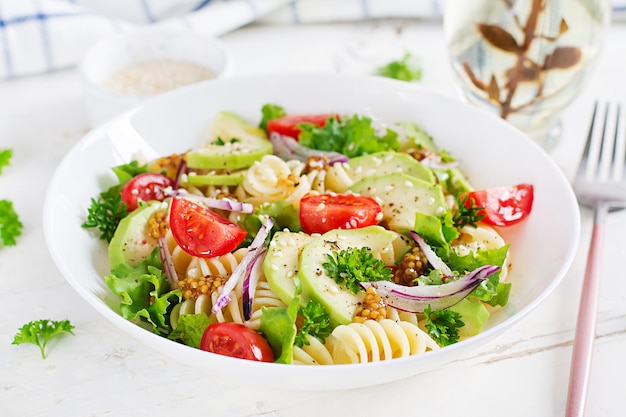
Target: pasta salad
308, 239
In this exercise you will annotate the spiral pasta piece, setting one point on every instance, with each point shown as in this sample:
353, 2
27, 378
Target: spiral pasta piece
371, 341
272, 179
188, 266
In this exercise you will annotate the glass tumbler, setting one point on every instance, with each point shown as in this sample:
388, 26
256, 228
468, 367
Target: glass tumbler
525, 60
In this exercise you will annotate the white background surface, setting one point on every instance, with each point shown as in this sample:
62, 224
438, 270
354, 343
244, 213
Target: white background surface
102, 372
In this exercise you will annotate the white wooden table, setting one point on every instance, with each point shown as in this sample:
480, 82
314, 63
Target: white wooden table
102, 372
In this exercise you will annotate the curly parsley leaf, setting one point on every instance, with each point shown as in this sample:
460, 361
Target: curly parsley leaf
408, 68
443, 325
270, 112
10, 224
5, 158
106, 212
39, 332
351, 136
316, 323
467, 213
354, 265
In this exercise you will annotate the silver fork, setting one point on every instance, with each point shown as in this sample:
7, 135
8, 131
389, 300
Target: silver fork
600, 184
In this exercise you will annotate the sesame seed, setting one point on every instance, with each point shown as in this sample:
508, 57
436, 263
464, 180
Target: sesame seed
389, 157
274, 267
379, 216
408, 184
334, 290
389, 188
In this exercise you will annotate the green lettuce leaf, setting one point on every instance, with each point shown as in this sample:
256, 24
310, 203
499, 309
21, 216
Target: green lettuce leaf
145, 291
190, 329
278, 325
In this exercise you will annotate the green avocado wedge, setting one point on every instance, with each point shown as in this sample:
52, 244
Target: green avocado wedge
339, 302
340, 177
233, 144
280, 265
400, 197
131, 242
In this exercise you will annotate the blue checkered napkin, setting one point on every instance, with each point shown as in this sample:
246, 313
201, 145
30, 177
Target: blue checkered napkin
39, 36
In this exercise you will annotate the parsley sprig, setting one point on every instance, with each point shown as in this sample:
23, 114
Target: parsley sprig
40, 332
10, 224
408, 68
443, 325
353, 265
5, 158
467, 213
350, 136
316, 322
107, 210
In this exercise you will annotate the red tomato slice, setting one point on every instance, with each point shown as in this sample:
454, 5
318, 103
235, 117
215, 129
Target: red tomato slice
324, 212
286, 125
145, 187
504, 206
201, 232
237, 341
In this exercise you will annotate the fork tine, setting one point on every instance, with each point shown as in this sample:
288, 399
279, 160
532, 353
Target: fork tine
584, 169
619, 151
607, 144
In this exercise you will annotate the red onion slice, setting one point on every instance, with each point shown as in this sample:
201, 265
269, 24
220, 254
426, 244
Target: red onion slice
253, 272
254, 251
435, 261
217, 203
287, 148
416, 299
168, 263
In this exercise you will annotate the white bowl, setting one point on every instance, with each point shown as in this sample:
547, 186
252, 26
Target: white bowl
492, 153
141, 46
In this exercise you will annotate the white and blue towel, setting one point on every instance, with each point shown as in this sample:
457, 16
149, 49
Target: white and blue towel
39, 36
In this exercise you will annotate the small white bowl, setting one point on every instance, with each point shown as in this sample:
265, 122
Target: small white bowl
119, 53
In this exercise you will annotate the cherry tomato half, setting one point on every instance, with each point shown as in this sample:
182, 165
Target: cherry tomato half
504, 206
324, 212
287, 125
237, 341
145, 187
201, 232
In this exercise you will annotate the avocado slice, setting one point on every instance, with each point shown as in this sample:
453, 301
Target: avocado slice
474, 314
234, 178
379, 163
233, 144
131, 242
456, 182
339, 302
280, 265
401, 196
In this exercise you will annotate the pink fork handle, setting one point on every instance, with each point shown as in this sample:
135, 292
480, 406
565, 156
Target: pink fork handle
585, 327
